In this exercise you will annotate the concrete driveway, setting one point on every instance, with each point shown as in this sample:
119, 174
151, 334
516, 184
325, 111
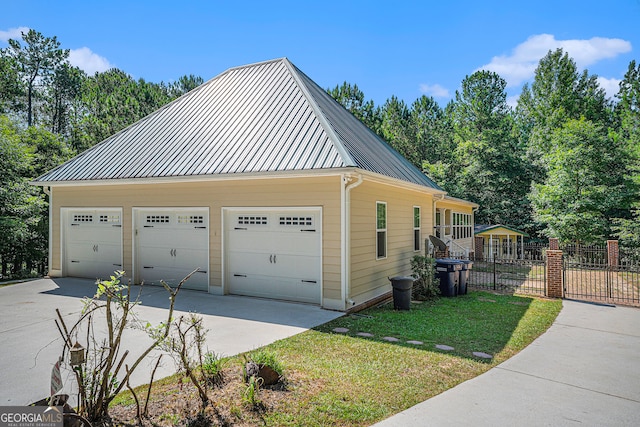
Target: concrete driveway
30, 343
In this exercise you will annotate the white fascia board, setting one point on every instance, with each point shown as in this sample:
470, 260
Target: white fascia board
311, 173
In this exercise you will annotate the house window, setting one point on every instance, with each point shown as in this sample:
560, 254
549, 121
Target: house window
381, 230
417, 238
462, 226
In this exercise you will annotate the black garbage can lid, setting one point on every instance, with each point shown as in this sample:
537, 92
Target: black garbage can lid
402, 278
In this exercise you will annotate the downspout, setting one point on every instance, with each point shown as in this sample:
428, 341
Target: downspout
47, 191
345, 240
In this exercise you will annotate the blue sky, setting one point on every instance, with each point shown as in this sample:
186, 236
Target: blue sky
401, 48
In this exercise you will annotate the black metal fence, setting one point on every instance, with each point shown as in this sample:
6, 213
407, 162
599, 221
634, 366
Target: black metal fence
591, 273
519, 269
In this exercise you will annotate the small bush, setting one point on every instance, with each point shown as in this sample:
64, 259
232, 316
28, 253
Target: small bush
251, 394
212, 368
267, 358
427, 285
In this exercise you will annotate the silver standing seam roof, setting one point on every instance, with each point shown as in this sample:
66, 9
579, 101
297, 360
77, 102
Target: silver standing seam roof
263, 117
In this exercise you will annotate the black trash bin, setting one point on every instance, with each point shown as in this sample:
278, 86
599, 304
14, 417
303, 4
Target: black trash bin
402, 292
464, 276
448, 271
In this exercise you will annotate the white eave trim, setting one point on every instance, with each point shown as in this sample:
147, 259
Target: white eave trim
309, 173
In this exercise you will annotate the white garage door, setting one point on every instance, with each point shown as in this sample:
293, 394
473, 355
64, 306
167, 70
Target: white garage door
92, 242
274, 253
171, 243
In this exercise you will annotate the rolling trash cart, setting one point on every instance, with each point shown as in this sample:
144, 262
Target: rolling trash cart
448, 270
464, 276
402, 286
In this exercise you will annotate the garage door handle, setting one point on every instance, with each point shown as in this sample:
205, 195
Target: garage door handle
310, 230
201, 227
239, 275
74, 261
147, 267
240, 228
202, 271
148, 226
118, 265
116, 225
309, 281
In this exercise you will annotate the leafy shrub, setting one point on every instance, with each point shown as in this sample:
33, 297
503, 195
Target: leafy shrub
427, 285
212, 368
251, 394
267, 358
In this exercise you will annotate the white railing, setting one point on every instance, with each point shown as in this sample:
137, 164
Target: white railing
462, 250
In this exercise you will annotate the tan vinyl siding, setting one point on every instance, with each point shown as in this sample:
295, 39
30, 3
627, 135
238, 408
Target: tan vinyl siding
367, 272
285, 192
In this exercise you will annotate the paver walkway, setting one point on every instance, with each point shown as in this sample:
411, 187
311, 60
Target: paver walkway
442, 347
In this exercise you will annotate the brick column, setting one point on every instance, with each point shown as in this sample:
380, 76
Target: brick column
613, 254
442, 254
554, 245
554, 273
478, 243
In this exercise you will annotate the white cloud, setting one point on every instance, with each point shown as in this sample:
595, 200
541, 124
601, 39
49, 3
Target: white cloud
13, 33
435, 90
88, 61
610, 86
520, 65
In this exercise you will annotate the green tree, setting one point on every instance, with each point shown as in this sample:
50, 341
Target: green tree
488, 164
353, 99
587, 183
627, 227
22, 241
63, 93
397, 131
184, 84
559, 93
432, 130
10, 89
112, 101
36, 61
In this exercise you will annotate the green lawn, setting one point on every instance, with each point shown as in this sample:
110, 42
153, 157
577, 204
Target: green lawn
342, 379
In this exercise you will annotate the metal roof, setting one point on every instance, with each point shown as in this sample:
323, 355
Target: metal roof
262, 117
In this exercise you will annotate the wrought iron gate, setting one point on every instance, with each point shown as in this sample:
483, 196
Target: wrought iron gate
589, 275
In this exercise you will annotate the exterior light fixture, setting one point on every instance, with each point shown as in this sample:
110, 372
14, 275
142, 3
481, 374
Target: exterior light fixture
77, 355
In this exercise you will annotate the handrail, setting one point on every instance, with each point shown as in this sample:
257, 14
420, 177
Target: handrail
465, 250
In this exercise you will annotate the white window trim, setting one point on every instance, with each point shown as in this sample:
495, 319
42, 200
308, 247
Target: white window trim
418, 228
379, 230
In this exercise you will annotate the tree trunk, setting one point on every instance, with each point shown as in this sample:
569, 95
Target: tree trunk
29, 103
